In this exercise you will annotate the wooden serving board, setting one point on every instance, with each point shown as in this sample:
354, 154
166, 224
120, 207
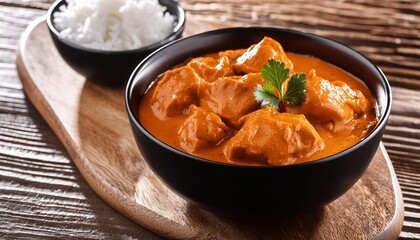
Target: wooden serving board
92, 123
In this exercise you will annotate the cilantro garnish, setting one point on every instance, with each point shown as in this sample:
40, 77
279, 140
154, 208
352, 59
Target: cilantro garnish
272, 93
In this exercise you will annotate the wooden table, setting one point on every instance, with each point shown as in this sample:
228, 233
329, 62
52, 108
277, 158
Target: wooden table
42, 194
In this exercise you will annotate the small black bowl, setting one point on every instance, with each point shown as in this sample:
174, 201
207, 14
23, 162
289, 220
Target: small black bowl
111, 68
234, 189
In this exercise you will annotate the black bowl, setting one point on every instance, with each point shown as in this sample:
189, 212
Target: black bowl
112, 68
235, 189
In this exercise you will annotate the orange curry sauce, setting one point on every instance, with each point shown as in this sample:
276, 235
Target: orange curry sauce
206, 107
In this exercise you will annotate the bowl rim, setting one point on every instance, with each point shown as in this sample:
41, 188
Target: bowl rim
378, 128
176, 31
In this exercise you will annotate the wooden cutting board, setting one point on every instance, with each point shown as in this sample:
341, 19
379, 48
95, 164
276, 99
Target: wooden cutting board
92, 123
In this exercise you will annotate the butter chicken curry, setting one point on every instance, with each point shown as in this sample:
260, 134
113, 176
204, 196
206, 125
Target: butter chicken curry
208, 107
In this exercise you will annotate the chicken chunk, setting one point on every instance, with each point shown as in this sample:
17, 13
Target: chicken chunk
176, 91
210, 69
268, 136
231, 97
202, 128
232, 54
257, 55
331, 102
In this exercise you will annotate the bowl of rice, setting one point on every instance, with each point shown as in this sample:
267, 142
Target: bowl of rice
104, 40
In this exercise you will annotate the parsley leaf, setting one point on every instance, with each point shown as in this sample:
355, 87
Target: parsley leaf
272, 93
296, 88
274, 73
266, 96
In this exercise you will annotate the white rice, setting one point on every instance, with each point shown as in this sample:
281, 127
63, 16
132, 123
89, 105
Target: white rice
113, 24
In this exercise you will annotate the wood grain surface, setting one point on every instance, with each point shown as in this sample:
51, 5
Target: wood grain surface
42, 193
92, 123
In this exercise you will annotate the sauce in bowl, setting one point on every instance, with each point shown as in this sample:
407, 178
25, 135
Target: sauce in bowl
206, 107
